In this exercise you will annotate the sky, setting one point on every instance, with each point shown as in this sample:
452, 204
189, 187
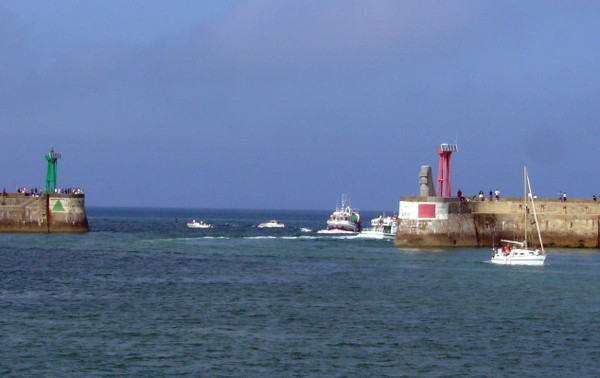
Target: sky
289, 104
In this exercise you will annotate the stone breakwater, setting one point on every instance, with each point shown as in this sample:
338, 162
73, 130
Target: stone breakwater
426, 222
48, 213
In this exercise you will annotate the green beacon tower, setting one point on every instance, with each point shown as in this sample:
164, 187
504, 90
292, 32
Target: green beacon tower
52, 157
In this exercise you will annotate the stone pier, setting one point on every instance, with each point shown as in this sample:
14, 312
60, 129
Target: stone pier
47, 213
452, 222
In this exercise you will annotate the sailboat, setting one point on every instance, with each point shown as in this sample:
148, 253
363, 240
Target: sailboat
519, 253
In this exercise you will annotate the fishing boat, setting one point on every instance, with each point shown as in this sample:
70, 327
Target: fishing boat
271, 224
198, 224
344, 219
382, 227
516, 252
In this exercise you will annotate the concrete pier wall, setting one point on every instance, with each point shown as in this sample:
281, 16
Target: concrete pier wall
49, 213
451, 222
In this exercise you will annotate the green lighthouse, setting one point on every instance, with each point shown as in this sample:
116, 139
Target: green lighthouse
52, 157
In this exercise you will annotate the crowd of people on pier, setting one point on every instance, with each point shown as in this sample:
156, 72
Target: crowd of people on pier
562, 196
495, 194
35, 192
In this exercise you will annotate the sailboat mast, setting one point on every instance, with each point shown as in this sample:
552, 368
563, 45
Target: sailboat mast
525, 203
537, 224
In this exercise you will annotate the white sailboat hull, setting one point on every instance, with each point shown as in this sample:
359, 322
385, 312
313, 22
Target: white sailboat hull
518, 257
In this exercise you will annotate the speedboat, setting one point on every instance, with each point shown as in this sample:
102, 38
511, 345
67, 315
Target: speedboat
344, 219
271, 224
382, 227
198, 224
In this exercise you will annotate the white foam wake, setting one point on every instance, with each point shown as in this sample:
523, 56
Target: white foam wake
338, 232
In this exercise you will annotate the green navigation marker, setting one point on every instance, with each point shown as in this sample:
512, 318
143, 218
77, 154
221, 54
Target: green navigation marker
52, 157
58, 206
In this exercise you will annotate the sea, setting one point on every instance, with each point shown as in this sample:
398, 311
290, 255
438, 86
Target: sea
141, 294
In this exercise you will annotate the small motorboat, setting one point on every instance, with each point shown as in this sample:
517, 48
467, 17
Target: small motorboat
383, 227
198, 224
271, 224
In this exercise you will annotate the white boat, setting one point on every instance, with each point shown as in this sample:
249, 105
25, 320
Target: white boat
344, 219
271, 224
195, 224
382, 227
518, 253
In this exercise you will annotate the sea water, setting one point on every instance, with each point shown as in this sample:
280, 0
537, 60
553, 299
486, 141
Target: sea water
141, 294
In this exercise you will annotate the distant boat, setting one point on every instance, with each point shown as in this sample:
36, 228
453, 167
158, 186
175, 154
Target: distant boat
344, 219
195, 224
382, 227
271, 224
518, 253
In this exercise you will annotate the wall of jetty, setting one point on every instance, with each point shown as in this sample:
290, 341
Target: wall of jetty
48, 213
432, 222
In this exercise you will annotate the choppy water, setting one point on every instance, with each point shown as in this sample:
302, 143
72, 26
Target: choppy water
143, 295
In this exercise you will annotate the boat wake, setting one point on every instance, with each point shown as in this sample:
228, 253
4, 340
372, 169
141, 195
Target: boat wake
325, 235
187, 239
336, 232
306, 237
344, 237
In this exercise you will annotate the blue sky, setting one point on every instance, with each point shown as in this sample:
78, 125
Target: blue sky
289, 104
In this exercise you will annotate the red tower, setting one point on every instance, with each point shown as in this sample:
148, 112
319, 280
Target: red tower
443, 184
